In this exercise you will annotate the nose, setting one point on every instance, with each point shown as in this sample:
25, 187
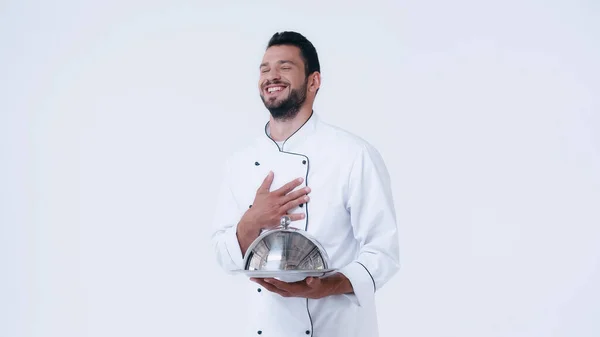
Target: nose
272, 75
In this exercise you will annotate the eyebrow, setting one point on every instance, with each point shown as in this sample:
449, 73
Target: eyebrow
264, 64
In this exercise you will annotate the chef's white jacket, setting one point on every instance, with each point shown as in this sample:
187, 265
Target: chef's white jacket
350, 212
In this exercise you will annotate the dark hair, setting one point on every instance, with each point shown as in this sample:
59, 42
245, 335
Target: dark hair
307, 50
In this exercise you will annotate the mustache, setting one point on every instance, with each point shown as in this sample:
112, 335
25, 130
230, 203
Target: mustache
274, 82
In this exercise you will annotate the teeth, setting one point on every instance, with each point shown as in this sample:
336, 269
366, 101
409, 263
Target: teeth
272, 89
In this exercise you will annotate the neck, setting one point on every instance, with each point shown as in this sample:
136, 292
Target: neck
280, 130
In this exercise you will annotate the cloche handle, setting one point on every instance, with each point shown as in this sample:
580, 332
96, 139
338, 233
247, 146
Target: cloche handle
285, 221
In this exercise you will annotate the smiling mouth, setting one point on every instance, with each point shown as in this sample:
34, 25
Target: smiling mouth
274, 89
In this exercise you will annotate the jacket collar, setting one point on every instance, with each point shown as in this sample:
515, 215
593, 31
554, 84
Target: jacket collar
298, 137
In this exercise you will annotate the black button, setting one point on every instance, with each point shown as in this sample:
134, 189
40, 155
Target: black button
256, 163
301, 205
250, 206
259, 290
259, 332
308, 332
304, 162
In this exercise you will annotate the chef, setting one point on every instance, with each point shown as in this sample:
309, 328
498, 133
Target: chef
330, 183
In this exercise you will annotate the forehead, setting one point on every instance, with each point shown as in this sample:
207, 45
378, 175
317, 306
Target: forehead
277, 54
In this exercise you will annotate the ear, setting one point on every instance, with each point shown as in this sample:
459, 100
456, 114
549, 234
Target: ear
314, 82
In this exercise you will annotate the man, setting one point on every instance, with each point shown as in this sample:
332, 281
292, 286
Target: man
331, 183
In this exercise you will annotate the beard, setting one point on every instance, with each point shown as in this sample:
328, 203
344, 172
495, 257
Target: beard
287, 108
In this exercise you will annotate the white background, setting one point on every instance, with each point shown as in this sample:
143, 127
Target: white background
115, 118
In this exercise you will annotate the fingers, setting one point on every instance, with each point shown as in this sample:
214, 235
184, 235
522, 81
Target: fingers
313, 282
296, 194
294, 203
270, 287
287, 188
266, 184
291, 288
296, 216
282, 286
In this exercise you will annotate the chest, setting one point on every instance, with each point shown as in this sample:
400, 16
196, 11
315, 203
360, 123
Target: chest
325, 173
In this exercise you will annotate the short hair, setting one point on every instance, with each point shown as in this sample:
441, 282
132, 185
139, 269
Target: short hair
307, 50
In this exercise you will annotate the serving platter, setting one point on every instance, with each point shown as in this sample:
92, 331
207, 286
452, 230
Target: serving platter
286, 275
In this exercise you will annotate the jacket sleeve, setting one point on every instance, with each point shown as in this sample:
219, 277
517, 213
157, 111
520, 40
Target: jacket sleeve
373, 219
224, 225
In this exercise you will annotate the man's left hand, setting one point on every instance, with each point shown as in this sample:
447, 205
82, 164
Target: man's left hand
311, 287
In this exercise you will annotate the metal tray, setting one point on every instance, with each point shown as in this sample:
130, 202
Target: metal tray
286, 275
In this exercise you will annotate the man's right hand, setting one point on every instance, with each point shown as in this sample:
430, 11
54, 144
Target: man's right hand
268, 208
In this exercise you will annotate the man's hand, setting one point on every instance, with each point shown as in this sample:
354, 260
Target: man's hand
268, 208
311, 287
